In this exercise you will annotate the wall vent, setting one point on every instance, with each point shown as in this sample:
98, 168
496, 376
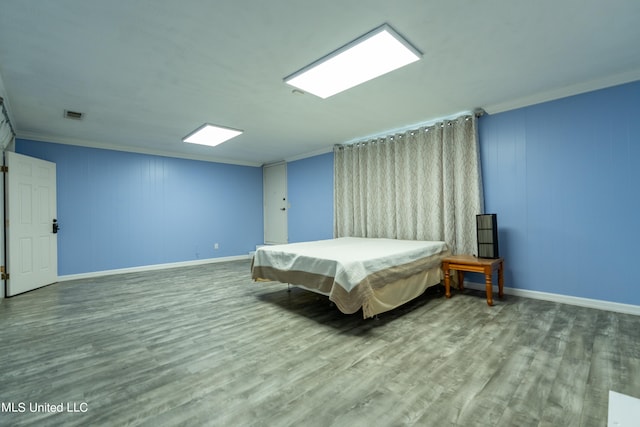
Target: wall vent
74, 115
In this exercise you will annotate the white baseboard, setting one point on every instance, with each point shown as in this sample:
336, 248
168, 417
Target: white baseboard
564, 299
150, 267
546, 296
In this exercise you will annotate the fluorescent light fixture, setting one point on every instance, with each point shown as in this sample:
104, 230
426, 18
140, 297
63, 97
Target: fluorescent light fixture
376, 53
211, 135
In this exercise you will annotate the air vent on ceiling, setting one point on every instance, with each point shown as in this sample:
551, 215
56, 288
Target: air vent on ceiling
73, 115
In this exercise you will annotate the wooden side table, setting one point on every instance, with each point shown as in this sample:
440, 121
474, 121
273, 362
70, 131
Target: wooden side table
462, 263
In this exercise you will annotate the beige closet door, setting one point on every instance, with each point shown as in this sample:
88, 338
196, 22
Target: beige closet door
32, 244
275, 203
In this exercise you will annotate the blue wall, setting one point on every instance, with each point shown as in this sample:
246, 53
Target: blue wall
310, 192
563, 178
119, 210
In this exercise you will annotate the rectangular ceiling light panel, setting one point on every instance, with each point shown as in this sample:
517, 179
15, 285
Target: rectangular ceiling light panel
211, 135
376, 53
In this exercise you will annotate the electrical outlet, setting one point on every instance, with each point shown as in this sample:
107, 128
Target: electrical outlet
216, 246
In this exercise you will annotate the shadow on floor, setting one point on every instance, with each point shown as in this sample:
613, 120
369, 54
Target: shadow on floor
320, 309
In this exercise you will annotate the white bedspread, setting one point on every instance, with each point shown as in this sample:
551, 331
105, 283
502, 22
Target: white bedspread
348, 259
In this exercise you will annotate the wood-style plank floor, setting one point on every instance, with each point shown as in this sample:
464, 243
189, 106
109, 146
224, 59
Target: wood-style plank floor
207, 346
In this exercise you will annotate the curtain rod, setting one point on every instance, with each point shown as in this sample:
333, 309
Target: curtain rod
477, 112
6, 116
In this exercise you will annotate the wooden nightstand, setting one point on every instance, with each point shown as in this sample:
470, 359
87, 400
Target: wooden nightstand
462, 263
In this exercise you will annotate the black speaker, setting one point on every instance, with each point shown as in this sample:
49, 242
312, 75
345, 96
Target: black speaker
487, 232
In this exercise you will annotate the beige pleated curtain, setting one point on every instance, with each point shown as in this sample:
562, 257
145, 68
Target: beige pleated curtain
419, 185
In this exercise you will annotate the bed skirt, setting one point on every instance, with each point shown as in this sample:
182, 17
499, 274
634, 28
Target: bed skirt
373, 300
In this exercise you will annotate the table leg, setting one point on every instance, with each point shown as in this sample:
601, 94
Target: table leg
447, 278
461, 280
500, 280
489, 286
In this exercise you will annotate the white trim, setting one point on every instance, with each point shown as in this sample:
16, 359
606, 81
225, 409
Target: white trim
278, 163
563, 299
150, 268
565, 92
92, 144
309, 154
545, 296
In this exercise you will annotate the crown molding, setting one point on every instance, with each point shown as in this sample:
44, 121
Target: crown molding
309, 154
564, 92
103, 146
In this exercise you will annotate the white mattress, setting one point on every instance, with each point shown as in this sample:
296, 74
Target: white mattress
347, 259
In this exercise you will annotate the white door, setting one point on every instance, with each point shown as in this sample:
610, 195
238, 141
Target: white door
275, 204
32, 246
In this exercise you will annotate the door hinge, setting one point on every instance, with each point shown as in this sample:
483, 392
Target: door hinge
4, 168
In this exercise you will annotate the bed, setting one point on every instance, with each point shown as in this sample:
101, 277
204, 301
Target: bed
376, 275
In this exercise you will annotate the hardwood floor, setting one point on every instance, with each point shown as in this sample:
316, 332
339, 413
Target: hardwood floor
206, 346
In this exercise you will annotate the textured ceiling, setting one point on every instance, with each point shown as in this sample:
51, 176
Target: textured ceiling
148, 72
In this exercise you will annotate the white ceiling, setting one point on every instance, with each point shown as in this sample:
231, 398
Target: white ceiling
148, 72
